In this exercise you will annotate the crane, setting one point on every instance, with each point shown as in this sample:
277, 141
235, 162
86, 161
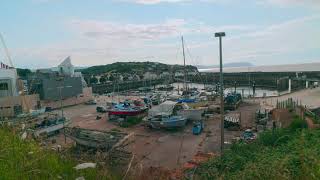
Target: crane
6, 51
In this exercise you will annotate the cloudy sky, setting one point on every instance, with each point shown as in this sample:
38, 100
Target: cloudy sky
41, 33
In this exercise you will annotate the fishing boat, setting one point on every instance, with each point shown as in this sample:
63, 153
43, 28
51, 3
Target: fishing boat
167, 121
171, 114
127, 109
163, 116
166, 87
157, 99
96, 139
50, 125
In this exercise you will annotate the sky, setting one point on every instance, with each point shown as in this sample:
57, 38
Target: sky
41, 33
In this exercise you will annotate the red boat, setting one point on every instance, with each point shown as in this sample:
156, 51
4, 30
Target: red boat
125, 109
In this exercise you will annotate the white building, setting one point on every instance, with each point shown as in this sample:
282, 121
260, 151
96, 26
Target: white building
8, 82
66, 67
164, 75
178, 74
192, 73
149, 75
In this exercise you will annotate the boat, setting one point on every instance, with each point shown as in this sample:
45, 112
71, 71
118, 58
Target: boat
171, 114
197, 127
232, 101
157, 99
97, 139
163, 120
166, 87
127, 109
33, 113
50, 125
163, 116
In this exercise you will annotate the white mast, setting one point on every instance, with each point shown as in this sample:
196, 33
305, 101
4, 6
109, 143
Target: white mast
184, 64
6, 50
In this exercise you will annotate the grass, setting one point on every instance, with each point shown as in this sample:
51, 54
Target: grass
314, 117
131, 121
292, 153
21, 160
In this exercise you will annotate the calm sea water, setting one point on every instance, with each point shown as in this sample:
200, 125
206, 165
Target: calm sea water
245, 91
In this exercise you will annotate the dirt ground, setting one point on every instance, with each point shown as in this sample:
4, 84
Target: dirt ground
160, 147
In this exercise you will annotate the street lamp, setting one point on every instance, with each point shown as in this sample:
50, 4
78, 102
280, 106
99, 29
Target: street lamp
220, 35
61, 106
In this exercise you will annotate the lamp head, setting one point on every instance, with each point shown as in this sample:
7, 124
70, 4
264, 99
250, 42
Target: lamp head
220, 34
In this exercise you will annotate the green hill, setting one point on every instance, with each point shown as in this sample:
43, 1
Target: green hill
135, 67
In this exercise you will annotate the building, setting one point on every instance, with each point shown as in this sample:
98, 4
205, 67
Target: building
8, 82
165, 75
11, 103
65, 85
66, 67
149, 76
178, 74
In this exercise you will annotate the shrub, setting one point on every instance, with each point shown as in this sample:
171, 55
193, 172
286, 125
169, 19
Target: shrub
298, 123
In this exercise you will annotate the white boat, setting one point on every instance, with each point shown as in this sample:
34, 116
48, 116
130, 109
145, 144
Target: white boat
172, 113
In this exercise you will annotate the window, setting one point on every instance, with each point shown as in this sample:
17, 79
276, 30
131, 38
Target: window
3, 86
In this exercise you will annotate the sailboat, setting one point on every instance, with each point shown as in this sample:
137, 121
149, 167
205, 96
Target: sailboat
188, 96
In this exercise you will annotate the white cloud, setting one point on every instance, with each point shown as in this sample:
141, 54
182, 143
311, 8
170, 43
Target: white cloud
150, 2
102, 42
112, 30
313, 4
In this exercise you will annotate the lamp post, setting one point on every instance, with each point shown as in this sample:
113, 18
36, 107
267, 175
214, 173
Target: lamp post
61, 105
220, 35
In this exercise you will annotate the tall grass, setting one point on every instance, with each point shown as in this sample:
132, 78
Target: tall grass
21, 159
292, 153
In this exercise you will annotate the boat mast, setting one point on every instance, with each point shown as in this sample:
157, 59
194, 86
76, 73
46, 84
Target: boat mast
184, 65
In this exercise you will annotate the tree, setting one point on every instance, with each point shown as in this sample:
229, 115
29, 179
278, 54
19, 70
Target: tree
23, 72
103, 79
93, 80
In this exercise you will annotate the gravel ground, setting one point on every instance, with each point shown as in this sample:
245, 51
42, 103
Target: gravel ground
159, 147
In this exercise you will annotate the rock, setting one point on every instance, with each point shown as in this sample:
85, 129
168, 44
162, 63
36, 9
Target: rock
80, 178
24, 135
85, 166
23, 126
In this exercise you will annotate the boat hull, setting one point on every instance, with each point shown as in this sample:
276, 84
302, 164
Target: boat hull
126, 112
172, 123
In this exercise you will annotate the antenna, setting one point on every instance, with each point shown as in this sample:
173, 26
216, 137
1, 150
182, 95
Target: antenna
6, 50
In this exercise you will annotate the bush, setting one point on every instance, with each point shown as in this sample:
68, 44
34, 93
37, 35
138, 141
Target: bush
292, 153
130, 121
298, 123
22, 159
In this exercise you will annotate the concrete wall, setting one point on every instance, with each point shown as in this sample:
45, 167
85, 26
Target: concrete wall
9, 105
85, 96
71, 87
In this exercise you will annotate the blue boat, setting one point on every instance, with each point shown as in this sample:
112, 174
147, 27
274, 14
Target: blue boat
197, 128
162, 116
186, 100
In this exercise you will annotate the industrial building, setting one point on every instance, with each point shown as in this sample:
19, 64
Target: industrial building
63, 84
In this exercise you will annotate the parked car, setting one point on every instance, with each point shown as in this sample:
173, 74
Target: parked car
91, 102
